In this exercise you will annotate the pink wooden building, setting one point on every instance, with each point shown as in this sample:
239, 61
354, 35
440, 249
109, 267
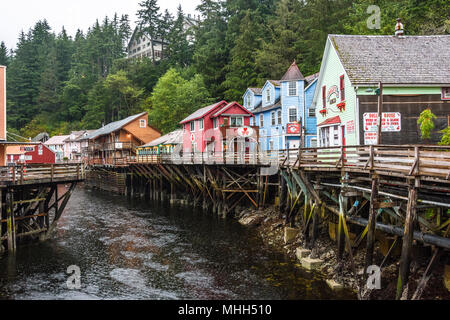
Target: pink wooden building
219, 127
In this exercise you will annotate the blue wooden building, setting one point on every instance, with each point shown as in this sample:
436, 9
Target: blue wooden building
283, 111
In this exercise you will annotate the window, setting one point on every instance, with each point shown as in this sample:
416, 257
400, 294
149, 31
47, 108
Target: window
292, 115
313, 143
271, 145
273, 118
324, 136
279, 117
237, 121
268, 95
192, 126
249, 101
201, 124
292, 88
142, 123
261, 120
324, 97
342, 86
216, 123
312, 112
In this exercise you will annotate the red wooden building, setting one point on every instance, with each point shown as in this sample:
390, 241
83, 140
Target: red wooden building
30, 154
219, 127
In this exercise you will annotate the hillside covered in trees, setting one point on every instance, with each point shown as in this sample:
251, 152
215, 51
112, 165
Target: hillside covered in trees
58, 83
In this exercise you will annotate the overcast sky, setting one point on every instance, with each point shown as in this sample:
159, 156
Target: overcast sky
18, 15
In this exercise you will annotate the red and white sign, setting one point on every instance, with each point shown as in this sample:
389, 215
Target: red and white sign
391, 122
245, 132
192, 137
446, 93
293, 128
350, 127
370, 138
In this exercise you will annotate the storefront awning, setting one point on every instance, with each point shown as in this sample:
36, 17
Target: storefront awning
330, 121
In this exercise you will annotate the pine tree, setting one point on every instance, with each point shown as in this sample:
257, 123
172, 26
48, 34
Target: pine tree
180, 52
4, 57
211, 55
149, 22
241, 72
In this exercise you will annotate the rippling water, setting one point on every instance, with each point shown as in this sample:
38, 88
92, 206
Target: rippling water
136, 250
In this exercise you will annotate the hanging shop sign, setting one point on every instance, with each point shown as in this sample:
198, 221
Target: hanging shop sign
391, 122
445, 93
245, 132
293, 128
333, 95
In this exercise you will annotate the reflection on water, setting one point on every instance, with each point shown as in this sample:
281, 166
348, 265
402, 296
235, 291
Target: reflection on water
136, 250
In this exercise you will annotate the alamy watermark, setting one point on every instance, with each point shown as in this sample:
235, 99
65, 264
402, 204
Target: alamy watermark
74, 280
374, 278
374, 21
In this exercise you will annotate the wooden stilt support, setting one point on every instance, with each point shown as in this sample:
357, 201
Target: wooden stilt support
11, 227
407, 239
372, 223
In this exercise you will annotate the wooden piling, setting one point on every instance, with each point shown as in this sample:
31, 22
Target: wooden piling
372, 223
10, 221
405, 260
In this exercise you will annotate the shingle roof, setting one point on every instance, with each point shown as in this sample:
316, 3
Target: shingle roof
276, 105
276, 83
312, 77
293, 73
114, 126
41, 136
175, 137
200, 113
85, 135
56, 140
257, 91
222, 110
394, 60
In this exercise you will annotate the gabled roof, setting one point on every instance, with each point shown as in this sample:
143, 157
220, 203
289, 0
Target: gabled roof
276, 83
175, 137
312, 77
293, 73
330, 121
85, 135
40, 136
200, 113
394, 60
228, 106
274, 106
114, 126
56, 140
256, 91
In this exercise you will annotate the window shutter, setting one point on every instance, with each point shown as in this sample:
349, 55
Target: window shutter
342, 85
324, 96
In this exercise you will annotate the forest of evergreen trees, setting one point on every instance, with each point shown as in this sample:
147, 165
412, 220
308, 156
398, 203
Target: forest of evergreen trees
58, 83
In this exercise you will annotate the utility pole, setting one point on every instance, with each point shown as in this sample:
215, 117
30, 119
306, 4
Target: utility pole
379, 92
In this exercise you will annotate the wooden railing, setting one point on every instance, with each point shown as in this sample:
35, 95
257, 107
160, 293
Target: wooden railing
28, 174
408, 160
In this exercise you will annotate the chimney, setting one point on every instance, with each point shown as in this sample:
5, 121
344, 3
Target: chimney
399, 28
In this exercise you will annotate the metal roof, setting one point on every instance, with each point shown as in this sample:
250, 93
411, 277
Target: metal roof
56, 140
114, 126
175, 137
200, 113
394, 59
293, 73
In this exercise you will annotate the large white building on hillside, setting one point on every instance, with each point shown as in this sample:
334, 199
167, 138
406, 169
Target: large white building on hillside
140, 46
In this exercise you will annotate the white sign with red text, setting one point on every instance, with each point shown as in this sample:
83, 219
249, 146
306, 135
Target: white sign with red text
370, 138
391, 122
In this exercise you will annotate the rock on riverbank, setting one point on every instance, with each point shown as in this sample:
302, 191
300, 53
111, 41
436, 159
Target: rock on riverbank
270, 225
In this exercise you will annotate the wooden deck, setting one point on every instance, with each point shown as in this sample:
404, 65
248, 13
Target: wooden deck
426, 162
41, 173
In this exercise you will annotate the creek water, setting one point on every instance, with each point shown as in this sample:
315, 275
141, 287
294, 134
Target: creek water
129, 249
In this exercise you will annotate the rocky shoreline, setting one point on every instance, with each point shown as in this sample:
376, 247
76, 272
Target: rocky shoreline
271, 227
